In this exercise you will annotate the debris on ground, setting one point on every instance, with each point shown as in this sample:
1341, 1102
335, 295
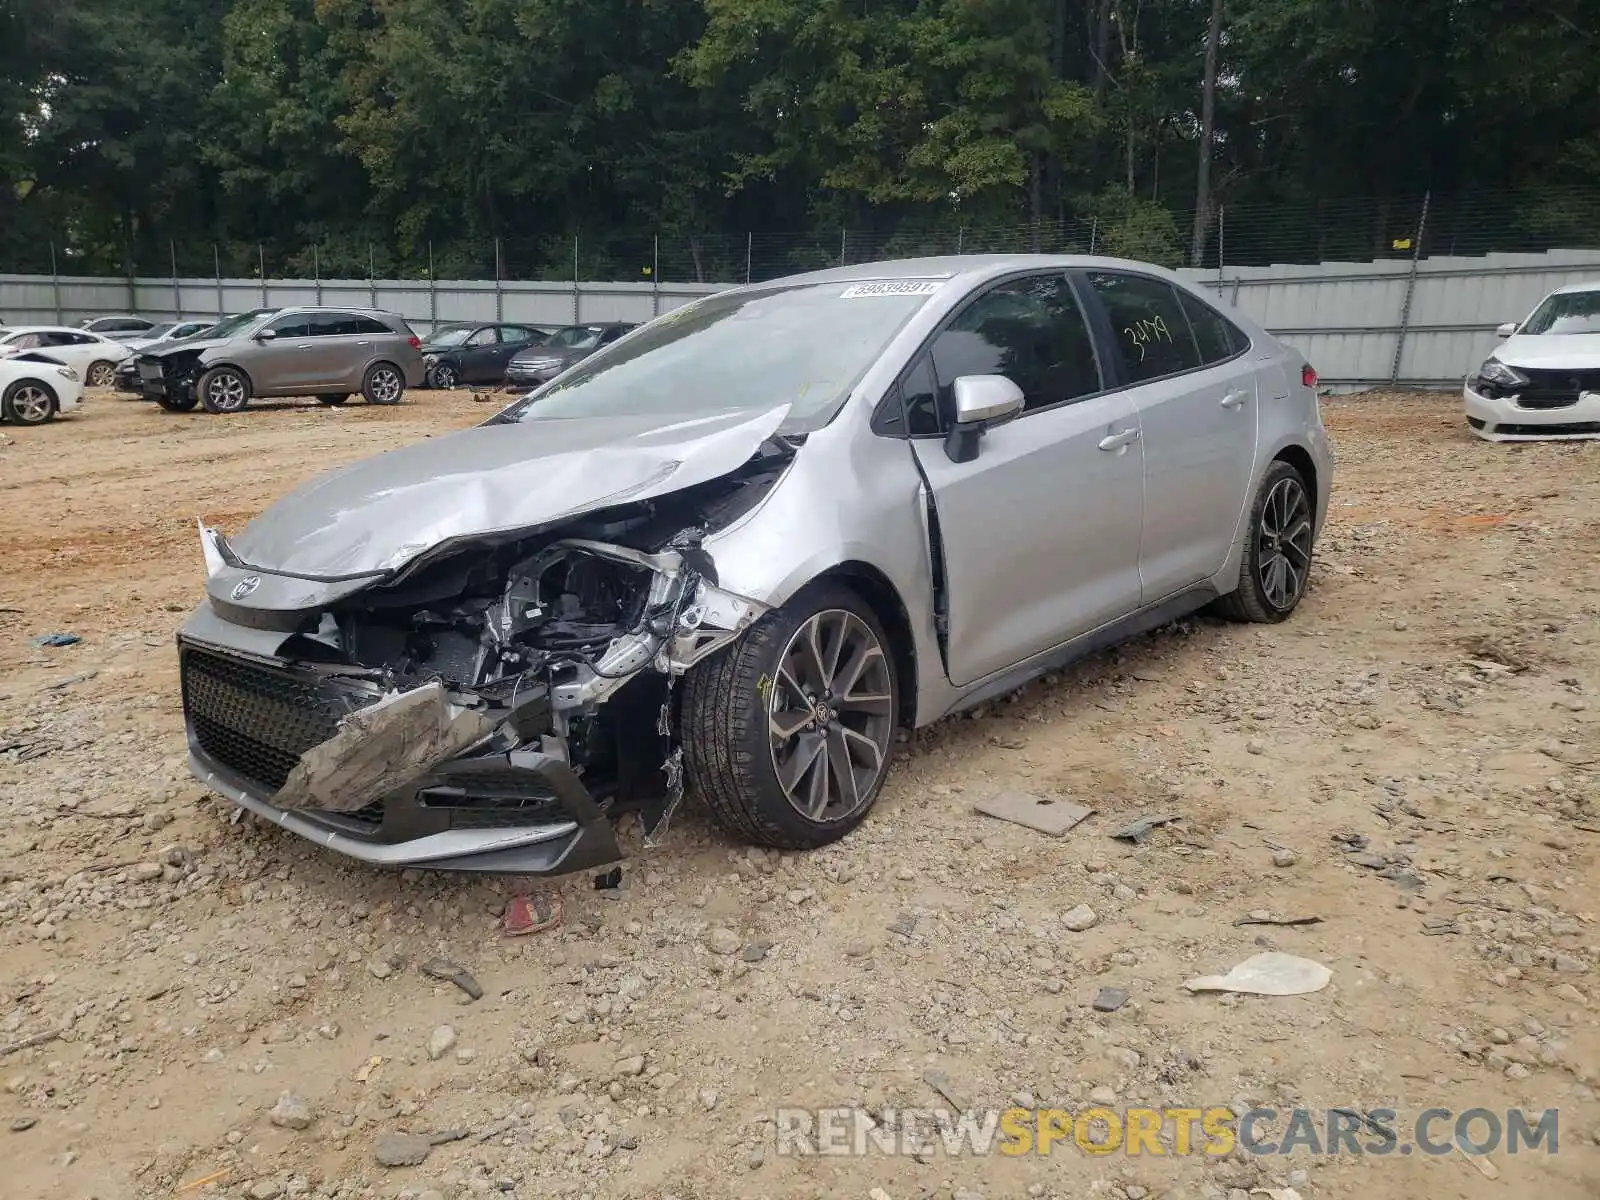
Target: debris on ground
1137, 831
57, 639
1045, 814
1269, 974
446, 971
1263, 917
533, 912
940, 1081
401, 1149
1109, 999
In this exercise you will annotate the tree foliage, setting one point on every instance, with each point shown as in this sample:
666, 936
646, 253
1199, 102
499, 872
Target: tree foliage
131, 128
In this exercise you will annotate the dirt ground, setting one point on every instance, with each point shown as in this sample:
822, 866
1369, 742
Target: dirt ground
167, 973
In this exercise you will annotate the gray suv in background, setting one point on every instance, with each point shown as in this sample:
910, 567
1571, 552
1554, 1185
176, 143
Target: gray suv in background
329, 353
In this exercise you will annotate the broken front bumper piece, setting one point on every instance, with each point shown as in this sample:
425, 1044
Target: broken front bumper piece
413, 778
430, 776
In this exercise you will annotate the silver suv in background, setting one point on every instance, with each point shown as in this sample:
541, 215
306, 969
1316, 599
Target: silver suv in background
329, 353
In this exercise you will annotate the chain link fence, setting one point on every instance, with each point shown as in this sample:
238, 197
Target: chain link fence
1235, 235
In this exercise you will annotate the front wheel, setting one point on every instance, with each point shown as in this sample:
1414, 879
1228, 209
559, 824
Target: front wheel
445, 376
223, 390
787, 732
101, 374
28, 402
1276, 563
383, 385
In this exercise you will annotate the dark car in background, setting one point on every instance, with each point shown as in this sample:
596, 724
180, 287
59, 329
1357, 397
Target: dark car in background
470, 352
538, 365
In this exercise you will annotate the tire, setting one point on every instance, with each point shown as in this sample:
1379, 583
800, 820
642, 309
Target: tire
734, 705
444, 376
100, 374
1281, 529
28, 402
384, 384
334, 400
178, 403
223, 390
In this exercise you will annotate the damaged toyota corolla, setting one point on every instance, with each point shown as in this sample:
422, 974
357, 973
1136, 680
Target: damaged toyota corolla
732, 553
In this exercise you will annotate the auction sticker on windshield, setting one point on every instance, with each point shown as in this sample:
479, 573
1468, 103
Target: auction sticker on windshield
891, 287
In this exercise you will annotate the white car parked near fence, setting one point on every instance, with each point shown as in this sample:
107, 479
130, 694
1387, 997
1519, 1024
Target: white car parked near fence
34, 388
93, 356
1545, 381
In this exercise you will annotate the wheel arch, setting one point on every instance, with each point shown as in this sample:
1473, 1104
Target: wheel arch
203, 367
10, 389
1298, 457
880, 594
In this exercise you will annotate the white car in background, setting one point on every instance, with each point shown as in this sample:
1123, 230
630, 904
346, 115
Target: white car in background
35, 388
1544, 382
166, 331
93, 356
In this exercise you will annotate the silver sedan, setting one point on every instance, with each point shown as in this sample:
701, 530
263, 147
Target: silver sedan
732, 553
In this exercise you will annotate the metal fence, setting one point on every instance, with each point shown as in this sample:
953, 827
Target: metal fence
1408, 321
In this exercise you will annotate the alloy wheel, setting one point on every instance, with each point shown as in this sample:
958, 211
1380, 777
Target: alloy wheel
385, 386
226, 392
31, 405
102, 374
444, 376
1283, 555
830, 715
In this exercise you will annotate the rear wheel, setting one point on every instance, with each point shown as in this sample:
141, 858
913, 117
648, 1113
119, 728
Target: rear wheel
223, 390
384, 384
786, 733
1276, 563
334, 400
101, 374
28, 402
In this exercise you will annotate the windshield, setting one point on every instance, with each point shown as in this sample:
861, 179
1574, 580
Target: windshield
450, 335
805, 346
156, 331
1566, 312
229, 326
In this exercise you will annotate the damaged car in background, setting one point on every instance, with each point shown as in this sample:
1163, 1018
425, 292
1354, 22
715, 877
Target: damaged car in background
733, 552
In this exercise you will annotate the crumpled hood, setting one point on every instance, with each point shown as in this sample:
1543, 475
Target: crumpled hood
162, 349
379, 513
1551, 351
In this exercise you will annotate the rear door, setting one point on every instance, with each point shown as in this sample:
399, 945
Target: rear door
1193, 382
1039, 532
512, 339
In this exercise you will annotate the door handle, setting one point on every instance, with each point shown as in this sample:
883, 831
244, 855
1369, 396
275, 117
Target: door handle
1119, 440
1234, 400
363, 343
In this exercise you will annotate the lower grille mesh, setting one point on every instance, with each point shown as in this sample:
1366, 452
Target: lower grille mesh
252, 719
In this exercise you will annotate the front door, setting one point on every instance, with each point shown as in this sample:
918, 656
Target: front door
480, 357
1040, 532
1194, 384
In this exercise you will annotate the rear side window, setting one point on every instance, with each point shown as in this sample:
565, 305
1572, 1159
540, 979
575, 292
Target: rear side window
1148, 323
372, 325
515, 335
1219, 339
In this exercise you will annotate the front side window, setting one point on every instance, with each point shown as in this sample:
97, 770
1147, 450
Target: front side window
1029, 330
1147, 323
1566, 312
484, 337
293, 326
804, 345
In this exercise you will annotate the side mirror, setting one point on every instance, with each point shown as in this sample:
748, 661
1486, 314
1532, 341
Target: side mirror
1506, 330
267, 335
981, 401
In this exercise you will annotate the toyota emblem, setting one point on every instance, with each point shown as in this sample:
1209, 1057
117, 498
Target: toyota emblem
245, 586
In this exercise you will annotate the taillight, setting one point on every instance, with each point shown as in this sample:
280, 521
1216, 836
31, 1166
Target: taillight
416, 344
1308, 376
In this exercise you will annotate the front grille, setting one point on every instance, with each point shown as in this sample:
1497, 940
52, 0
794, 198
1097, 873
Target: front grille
1555, 389
149, 368
252, 719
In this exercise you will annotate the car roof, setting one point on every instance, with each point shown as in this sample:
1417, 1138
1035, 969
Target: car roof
970, 267
50, 329
336, 308
1592, 286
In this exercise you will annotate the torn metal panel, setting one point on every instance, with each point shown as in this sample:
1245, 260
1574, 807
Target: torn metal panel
382, 747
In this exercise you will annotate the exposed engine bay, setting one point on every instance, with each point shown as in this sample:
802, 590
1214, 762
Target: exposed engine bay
565, 641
